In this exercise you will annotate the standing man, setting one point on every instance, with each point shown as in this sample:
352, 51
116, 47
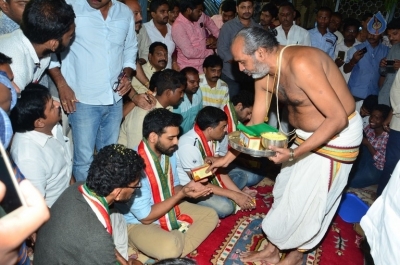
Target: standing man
328, 135
350, 31
335, 25
95, 73
173, 11
157, 29
230, 72
227, 11
192, 44
269, 13
321, 38
363, 62
289, 33
11, 15
158, 213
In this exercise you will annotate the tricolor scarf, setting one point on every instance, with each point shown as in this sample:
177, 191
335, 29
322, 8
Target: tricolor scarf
99, 206
229, 109
161, 183
205, 151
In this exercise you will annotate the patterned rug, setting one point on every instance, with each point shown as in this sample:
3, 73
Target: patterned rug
242, 232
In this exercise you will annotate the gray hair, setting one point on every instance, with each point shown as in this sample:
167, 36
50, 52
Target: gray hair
255, 37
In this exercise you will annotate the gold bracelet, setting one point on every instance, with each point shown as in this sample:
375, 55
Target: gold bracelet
147, 84
133, 96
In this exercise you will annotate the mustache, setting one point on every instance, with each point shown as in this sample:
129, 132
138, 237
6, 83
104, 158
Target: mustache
162, 61
139, 22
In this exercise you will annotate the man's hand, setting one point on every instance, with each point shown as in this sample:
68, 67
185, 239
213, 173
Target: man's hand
196, 189
396, 65
125, 86
215, 163
145, 101
67, 98
382, 63
245, 201
357, 56
281, 154
211, 42
339, 62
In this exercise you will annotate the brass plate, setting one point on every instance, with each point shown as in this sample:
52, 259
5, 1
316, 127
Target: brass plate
234, 142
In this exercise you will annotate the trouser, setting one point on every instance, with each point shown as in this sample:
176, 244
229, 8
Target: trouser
158, 243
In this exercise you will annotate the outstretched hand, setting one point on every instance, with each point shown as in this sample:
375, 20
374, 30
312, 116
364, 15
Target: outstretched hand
281, 154
195, 190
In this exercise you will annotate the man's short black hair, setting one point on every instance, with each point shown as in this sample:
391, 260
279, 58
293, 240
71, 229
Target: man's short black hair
370, 102
287, 4
153, 81
210, 117
4, 59
189, 69
114, 166
176, 261
158, 119
29, 108
191, 4
228, 6
155, 44
384, 109
245, 97
366, 15
337, 14
155, 4
271, 8
394, 24
169, 79
45, 20
213, 61
324, 9
172, 4
351, 22
238, 2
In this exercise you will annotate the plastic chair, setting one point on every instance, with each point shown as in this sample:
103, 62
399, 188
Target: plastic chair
352, 208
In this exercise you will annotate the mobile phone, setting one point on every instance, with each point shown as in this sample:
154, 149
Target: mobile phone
13, 198
341, 55
363, 50
389, 62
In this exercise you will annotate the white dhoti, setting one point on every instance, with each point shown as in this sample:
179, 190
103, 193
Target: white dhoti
307, 192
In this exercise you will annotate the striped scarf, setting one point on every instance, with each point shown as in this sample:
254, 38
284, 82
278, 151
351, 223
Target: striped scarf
99, 206
229, 109
205, 151
162, 184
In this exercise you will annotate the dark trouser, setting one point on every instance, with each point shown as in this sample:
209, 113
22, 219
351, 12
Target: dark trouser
233, 86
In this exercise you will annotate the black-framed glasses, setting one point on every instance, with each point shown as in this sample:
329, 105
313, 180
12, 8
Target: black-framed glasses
118, 82
137, 186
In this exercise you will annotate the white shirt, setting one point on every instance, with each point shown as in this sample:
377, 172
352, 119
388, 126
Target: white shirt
381, 223
340, 46
26, 65
155, 35
99, 52
296, 35
45, 160
189, 155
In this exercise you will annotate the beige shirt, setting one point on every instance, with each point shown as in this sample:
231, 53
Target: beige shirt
148, 70
395, 102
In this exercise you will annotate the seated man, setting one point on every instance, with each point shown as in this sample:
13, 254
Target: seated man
215, 91
169, 87
240, 109
192, 101
201, 142
39, 148
79, 230
159, 224
368, 167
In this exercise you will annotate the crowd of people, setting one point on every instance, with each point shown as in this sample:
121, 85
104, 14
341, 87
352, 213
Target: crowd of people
107, 115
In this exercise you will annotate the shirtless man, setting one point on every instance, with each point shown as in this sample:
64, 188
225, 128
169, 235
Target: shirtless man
321, 108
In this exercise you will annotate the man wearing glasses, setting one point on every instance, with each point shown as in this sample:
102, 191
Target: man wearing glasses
80, 231
158, 212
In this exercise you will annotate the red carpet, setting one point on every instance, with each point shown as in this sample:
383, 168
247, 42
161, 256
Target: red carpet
242, 232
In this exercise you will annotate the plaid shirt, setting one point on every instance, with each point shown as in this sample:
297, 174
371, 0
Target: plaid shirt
379, 144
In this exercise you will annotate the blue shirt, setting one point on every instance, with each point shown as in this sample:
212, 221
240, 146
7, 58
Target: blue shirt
139, 206
189, 110
7, 25
365, 75
325, 42
100, 50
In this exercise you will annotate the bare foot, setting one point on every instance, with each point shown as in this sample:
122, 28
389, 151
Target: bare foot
268, 254
250, 192
293, 258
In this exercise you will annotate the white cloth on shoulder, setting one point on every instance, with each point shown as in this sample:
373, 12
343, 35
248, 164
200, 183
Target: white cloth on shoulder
305, 198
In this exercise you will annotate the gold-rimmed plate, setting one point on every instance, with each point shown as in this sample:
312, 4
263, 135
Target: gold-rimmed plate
234, 142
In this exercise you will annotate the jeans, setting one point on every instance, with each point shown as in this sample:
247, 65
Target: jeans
222, 205
392, 157
244, 177
363, 172
92, 126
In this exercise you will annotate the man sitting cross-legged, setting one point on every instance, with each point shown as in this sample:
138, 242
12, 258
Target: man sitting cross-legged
39, 148
169, 88
203, 141
159, 224
79, 230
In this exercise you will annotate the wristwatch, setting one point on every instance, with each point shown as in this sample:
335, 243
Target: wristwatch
291, 154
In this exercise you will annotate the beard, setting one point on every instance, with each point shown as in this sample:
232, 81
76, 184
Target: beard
166, 150
260, 70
